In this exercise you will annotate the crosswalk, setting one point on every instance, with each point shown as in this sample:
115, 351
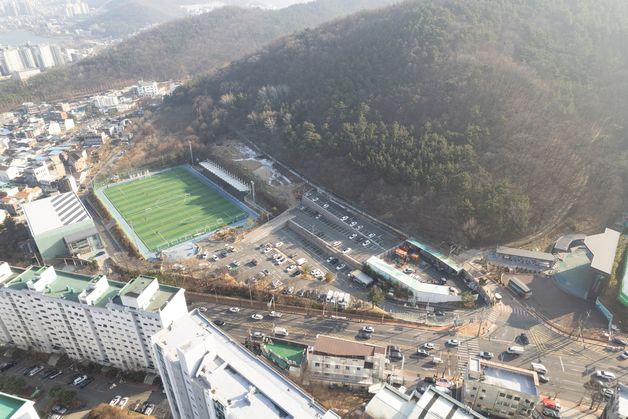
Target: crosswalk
500, 312
467, 348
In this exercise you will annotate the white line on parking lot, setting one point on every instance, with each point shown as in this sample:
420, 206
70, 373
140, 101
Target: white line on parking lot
561, 363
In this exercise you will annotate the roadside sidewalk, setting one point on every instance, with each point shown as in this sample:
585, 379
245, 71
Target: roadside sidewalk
571, 410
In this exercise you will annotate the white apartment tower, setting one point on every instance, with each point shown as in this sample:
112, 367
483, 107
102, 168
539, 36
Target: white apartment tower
86, 317
206, 374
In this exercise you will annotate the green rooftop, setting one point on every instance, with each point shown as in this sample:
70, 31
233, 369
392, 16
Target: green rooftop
9, 405
69, 285
135, 287
286, 351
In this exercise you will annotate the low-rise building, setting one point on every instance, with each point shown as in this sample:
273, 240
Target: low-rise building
13, 407
617, 406
346, 363
418, 291
146, 88
524, 259
392, 403
86, 317
61, 226
500, 390
206, 374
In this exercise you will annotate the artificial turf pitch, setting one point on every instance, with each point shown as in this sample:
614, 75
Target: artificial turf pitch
171, 207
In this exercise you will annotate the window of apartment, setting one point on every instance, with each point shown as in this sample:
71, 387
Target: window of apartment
509, 396
337, 367
347, 368
501, 394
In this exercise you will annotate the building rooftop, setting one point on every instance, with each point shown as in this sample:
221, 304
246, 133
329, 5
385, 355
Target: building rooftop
48, 214
437, 254
136, 286
523, 253
409, 282
68, 286
235, 377
603, 246
9, 405
391, 403
504, 376
333, 346
622, 400
565, 242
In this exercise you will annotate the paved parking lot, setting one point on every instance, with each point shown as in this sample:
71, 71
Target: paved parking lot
101, 390
337, 222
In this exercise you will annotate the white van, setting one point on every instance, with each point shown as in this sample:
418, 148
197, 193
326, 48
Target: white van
515, 350
437, 360
540, 368
281, 331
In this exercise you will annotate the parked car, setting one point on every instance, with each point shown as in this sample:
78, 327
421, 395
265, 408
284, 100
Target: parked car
429, 346
85, 382
257, 316
55, 375
5, 366
523, 339
363, 335
543, 378
219, 322
234, 309
486, 355
115, 400
78, 380
605, 375
620, 341
257, 334
341, 267
123, 402
149, 409
422, 352
551, 413
36, 370
429, 379
453, 342
624, 355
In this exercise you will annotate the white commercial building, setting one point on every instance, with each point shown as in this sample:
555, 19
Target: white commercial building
420, 292
346, 363
392, 403
86, 317
148, 88
208, 375
13, 407
500, 390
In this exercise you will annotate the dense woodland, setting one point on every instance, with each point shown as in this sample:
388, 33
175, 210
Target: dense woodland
178, 49
479, 121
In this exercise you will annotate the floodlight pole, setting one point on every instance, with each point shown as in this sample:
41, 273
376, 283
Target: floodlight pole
191, 155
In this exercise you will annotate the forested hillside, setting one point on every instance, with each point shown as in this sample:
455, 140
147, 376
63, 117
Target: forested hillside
480, 121
180, 48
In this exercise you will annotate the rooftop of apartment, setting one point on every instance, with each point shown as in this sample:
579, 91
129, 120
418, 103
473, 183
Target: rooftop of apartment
242, 382
69, 285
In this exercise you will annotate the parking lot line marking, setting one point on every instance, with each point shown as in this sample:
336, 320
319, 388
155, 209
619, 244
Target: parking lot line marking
561, 363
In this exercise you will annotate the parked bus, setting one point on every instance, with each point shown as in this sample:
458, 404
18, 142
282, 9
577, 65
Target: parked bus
519, 288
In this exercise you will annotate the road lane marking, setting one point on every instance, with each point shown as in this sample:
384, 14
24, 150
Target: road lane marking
561, 363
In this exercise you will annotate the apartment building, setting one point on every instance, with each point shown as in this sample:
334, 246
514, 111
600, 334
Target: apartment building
500, 390
86, 317
206, 374
346, 363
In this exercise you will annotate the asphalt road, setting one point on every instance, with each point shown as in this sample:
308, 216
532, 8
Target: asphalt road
569, 363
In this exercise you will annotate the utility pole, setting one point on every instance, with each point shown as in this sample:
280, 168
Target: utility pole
191, 154
253, 191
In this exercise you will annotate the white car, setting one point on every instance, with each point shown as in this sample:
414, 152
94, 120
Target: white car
429, 346
79, 380
371, 235
605, 375
123, 402
275, 314
353, 236
368, 329
408, 270
624, 355
257, 316
360, 227
314, 199
353, 223
366, 243
234, 309
453, 342
325, 205
278, 244
115, 400
266, 250
341, 267
347, 250
486, 355
345, 218
290, 268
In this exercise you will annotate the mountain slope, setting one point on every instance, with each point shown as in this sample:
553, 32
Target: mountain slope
471, 120
181, 48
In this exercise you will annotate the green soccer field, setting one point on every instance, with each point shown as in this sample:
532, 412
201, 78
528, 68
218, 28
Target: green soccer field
170, 207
